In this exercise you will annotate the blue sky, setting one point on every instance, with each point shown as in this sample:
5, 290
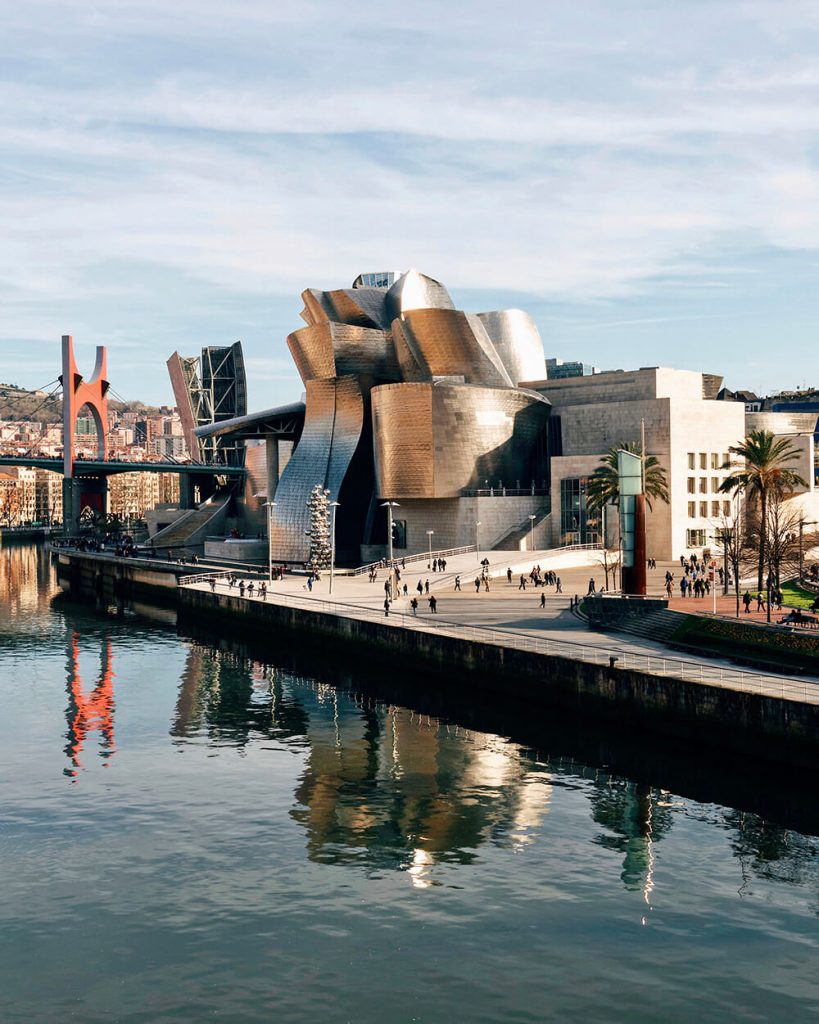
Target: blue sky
642, 177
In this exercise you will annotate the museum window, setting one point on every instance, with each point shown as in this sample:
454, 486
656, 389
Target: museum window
691, 461
703, 460
726, 459
692, 485
726, 508
578, 525
714, 484
703, 509
692, 510
715, 509
714, 460
704, 485
695, 538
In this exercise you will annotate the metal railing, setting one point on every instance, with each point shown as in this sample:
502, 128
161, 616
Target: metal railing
205, 577
420, 557
505, 492
617, 658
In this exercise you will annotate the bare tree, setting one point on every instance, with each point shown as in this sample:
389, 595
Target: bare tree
610, 560
737, 549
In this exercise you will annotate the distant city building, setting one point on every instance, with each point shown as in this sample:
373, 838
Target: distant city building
751, 401
557, 369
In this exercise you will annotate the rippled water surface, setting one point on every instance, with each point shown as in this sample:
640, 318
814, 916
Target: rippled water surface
188, 833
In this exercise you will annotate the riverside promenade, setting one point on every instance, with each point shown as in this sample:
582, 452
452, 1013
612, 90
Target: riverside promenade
506, 617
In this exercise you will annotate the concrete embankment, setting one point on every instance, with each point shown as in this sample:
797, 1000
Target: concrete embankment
761, 725
112, 580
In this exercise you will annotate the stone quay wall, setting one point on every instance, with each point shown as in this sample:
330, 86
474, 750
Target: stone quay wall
765, 727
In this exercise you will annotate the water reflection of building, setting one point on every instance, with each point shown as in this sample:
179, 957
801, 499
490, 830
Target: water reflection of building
92, 712
382, 786
26, 583
228, 697
386, 787
636, 818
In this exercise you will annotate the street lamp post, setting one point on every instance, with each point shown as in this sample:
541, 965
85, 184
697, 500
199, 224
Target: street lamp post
429, 537
333, 505
532, 530
477, 546
269, 505
389, 506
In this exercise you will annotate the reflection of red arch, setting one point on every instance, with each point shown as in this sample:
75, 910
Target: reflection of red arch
87, 713
76, 394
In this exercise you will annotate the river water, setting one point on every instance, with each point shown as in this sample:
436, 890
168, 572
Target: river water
190, 830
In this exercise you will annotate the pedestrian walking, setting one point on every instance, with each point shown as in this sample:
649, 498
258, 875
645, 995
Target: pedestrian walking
433, 604
420, 587
522, 584
486, 584
457, 582
508, 575
542, 600
426, 586
746, 600
386, 606
477, 584
592, 589
558, 585
414, 606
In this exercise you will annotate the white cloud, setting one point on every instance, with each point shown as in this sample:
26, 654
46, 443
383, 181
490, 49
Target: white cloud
573, 152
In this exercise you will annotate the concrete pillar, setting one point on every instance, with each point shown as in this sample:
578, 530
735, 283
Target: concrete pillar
79, 493
272, 458
186, 491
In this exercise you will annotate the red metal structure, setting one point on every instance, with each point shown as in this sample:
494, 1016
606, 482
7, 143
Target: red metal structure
78, 392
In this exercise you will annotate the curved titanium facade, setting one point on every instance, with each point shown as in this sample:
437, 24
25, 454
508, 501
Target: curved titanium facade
437, 440
406, 397
336, 350
517, 342
447, 343
332, 429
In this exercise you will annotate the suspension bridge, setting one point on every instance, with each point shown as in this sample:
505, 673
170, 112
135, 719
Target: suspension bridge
85, 480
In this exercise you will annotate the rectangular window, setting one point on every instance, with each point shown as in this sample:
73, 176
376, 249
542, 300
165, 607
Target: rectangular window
726, 508
703, 460
714, 460
715, 485
704, 485
691, 461
695, 538
704, 509
692, 485
692, 510
715, 509
726, 458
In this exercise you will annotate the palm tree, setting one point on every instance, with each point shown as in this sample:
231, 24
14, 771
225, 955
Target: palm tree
603, 487
763, 474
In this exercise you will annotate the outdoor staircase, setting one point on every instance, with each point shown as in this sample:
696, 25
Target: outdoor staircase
658, 626
512, 540
191, 528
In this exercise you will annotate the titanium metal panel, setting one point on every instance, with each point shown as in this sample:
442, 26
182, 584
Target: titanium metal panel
416, 291
332, 430
447, 343
338, 350
437, 440
517, 341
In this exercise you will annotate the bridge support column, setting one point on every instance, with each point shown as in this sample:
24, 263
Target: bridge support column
187, 491
79, 494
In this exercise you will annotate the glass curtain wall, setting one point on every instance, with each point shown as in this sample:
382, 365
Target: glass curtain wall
578, 525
